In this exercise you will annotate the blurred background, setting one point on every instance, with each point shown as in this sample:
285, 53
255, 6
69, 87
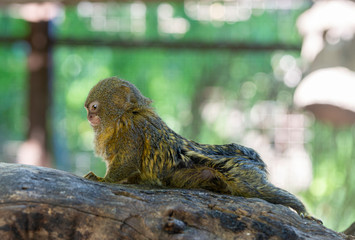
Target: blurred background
274, 75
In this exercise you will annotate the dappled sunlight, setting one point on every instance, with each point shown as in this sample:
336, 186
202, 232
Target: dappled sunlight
287, 69
224, 11
233, 11
32, 152
35, 12
167, 23
114, 17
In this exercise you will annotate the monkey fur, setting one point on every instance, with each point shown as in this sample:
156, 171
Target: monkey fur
139, 148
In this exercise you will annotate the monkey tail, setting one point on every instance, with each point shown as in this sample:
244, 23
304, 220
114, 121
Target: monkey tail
241, 176
255, 184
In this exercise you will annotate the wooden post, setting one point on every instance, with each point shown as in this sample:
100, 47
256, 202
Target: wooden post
34, 150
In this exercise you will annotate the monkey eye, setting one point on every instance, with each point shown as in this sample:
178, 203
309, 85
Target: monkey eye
94, 106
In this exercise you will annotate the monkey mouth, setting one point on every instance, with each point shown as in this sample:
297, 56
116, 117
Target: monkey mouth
94, 122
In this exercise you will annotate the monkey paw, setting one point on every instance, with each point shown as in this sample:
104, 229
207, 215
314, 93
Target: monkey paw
91, 176
309, 217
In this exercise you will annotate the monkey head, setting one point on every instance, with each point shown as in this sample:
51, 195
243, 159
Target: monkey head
109, 99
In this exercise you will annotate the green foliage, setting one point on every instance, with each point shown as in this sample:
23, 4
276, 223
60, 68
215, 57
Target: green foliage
13, 92
278, 26
12, 27
13, 83
331, 195
171, 78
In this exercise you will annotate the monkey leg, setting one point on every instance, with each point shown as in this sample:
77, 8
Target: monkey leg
197, 177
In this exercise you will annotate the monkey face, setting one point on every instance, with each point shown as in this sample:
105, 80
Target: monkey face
92, 113
110, 99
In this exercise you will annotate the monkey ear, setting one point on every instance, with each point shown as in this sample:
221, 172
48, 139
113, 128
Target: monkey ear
133, 97
128, 94
129, 97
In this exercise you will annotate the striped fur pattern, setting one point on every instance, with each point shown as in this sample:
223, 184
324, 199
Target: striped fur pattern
140, 148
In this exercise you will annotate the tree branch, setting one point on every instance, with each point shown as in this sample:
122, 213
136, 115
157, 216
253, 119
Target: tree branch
37, 202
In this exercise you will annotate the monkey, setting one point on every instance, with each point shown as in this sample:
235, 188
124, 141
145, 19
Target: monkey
139, 148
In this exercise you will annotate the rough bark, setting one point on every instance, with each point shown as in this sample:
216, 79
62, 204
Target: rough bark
43, 203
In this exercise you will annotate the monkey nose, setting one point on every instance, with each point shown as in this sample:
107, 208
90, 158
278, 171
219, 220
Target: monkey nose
93, 119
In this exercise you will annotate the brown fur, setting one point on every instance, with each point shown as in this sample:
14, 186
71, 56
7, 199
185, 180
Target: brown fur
140, 148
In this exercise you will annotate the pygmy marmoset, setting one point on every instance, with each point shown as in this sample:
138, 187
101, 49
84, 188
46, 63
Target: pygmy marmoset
140, 148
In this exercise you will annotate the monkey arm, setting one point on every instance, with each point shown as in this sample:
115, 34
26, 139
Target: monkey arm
91, 176
117, 173
122, 169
